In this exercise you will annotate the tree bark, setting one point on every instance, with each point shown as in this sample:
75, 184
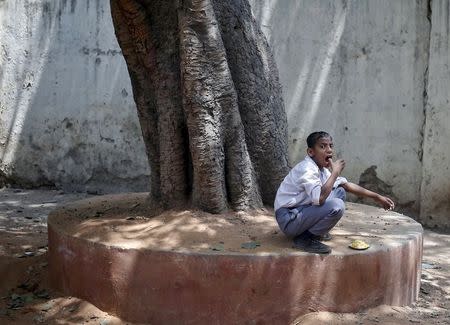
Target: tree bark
209, 101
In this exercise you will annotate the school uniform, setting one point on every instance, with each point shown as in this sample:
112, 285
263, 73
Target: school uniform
297, 206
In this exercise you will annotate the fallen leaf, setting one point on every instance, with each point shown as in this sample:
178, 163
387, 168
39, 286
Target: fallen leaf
15, 296
42, 294
424, 291
72, 309
17, 301
38, 319
47, 306
250, 245
217, 247
426, 266
104, 322
28, 298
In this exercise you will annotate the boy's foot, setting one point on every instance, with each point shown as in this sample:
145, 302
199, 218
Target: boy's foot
310, 245
325, 237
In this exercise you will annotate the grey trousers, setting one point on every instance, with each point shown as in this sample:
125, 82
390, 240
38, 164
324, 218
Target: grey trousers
318, 219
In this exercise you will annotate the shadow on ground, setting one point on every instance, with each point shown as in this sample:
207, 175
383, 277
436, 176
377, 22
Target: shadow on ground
25, 296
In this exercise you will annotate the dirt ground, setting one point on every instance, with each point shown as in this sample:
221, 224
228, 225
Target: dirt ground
25, 296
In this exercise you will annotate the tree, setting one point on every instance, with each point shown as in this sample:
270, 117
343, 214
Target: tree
209, 101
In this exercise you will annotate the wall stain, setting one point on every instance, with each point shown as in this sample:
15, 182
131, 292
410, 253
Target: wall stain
370, 181
73, 4
97, 51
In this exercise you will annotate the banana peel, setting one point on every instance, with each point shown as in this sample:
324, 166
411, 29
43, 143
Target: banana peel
358, 244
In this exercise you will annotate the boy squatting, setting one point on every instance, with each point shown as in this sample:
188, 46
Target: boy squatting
310, 200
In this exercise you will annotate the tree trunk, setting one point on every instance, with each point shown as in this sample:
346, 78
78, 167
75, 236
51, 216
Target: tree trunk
209, 101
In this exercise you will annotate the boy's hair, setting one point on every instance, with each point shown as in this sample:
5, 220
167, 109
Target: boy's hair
312, 139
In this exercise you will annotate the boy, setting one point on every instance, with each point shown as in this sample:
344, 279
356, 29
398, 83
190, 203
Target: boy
310, 200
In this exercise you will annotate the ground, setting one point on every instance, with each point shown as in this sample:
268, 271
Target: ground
26, 298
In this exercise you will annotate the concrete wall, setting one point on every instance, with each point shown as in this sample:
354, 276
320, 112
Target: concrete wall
435, 199
67, 116
363, 70
355, 69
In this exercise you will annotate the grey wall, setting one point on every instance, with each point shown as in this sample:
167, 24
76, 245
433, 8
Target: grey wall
355, 69
375, 74
67, 116
435, 193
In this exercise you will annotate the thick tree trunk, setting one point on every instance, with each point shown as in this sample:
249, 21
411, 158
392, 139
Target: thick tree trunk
209, 101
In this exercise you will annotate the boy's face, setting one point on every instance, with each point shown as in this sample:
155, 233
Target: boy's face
322, 152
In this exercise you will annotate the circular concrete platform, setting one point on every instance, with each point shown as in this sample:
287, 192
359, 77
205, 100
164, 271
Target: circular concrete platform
190, 267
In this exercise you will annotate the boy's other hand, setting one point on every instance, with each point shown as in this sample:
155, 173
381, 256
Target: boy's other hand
386, 202
337, 166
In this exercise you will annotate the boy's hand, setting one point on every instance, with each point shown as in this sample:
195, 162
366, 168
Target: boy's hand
337, 166
386, 202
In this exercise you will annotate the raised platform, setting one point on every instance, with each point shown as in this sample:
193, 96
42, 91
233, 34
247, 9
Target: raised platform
189, 267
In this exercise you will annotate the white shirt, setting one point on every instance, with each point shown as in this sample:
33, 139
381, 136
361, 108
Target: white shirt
303, 185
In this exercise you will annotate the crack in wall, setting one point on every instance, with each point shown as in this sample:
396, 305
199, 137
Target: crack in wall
425, 79
425, 100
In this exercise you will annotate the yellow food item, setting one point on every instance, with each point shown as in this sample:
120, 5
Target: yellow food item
359, 244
